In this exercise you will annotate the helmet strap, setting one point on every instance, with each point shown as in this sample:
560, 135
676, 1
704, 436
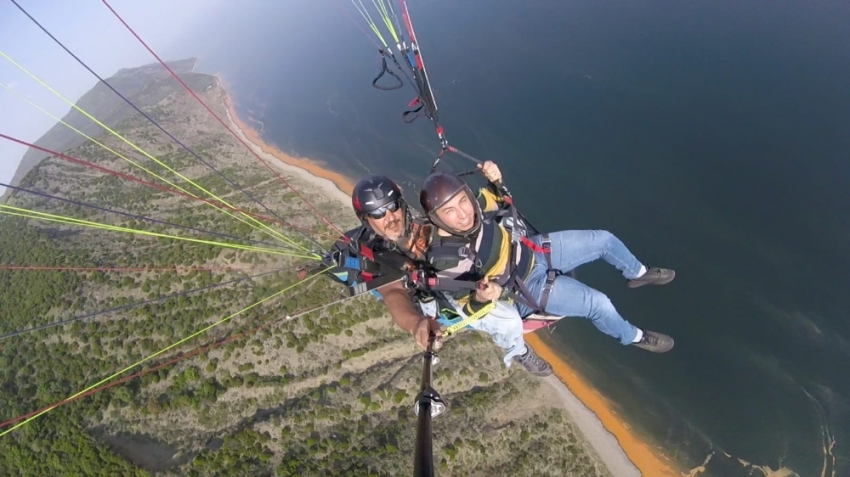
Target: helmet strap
478, 216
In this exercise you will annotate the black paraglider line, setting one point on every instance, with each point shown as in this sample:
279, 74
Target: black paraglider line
151, 120
105, 386
136, 216
427, 397
221, 121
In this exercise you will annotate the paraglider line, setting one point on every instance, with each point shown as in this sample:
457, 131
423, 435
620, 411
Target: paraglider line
114, 133
197, 98
133, 216
129, 269
150, 119
31, 214
131, 305
144, 182
35, 414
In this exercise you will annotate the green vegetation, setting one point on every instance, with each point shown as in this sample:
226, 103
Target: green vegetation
328, 393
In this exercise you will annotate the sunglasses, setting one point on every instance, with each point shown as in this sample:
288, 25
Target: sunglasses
381, 212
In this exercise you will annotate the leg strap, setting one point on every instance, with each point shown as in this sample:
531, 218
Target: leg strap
551, 274
525, 296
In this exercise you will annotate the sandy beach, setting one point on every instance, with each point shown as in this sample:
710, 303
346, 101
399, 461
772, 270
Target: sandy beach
605, 431
624, 453
334, 184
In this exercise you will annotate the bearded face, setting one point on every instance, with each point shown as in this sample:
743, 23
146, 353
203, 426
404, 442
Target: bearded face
390, 226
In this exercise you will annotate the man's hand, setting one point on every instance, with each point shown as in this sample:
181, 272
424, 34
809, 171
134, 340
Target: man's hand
491, 171
424, 329
487, 291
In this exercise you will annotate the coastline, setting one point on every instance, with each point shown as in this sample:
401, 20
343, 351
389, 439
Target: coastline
638, 452
623, 452
337, 185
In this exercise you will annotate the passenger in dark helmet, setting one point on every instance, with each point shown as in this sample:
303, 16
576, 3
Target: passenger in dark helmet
379, 204
531, 270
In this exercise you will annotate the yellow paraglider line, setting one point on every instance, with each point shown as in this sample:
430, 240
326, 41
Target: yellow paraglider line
154, 355
32, 214
134, 146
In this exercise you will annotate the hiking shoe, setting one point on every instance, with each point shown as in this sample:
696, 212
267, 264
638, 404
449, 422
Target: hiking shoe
655, 342
653, 276
534, 364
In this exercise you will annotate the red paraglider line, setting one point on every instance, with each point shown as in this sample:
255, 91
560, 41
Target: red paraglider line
127, 269
194, 353
216, 116
147, 183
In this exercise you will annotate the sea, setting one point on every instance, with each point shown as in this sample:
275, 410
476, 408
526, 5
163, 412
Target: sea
712, 137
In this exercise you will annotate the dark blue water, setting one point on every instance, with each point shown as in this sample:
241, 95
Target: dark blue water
712, 137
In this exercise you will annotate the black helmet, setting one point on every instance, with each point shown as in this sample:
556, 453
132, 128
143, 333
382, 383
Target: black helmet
372, 193
439, 188
378, 192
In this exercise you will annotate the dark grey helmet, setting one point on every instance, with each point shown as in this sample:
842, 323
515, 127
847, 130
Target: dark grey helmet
377, 195
441, 187
373, 193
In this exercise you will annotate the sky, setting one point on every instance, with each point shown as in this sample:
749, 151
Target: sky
95, 35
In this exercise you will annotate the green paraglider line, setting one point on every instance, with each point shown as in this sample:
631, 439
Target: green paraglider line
131, 144
365, 14
143, 182
135, 216
32, 214
99, 385
224, 124
150, 119
386, 17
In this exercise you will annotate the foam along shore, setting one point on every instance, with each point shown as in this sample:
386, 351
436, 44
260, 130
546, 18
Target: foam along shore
620, 449
334, 184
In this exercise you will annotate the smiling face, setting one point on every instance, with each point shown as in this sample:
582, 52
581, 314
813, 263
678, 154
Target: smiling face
458, 213
390, 226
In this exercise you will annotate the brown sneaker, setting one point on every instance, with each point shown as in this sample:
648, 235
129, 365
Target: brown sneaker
655, 342
534, 364
653, 276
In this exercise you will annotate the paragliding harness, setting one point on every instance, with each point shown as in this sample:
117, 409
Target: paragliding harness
421, 277
519, 234
363, 262
512, 220
425, 104
366, 262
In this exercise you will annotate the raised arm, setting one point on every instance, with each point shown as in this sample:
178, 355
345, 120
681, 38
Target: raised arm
490, 198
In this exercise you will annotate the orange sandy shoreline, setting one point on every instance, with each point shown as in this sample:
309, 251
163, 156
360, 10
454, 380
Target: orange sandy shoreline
341, 181
639, 453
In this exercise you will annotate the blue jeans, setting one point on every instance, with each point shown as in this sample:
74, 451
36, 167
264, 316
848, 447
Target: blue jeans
503, 324
570, 297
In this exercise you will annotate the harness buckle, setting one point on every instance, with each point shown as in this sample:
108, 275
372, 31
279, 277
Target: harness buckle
415, 279
516, 235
